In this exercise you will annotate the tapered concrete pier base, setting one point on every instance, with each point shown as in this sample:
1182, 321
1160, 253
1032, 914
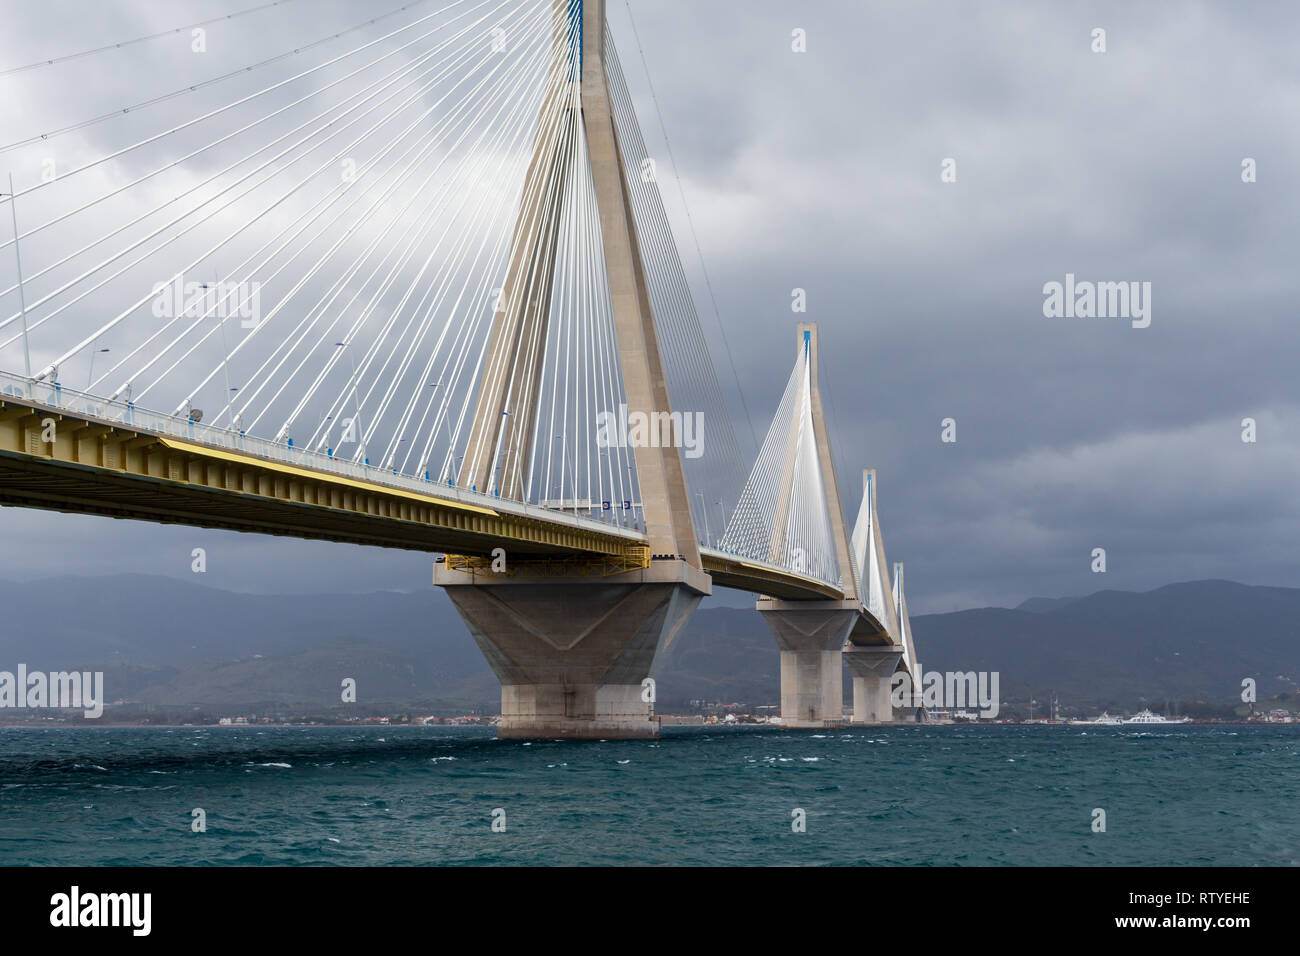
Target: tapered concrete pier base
811, 637
873, 669
572, 653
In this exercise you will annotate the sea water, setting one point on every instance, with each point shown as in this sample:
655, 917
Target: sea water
915, 795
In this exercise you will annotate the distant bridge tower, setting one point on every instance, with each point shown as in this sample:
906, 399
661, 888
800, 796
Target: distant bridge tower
911, 710
811, 634
873, 655
573, 648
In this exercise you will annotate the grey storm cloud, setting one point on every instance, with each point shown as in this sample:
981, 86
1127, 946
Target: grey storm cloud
821, 171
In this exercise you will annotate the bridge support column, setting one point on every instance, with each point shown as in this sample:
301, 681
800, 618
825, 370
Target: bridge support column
811, 637
572, 653
873, 670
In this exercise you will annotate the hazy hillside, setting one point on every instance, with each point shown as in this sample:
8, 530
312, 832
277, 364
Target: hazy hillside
1190, 641
723, 654
174, 643
166, 642
158, 621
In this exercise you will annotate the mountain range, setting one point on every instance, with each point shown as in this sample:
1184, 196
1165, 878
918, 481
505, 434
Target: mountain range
180, 646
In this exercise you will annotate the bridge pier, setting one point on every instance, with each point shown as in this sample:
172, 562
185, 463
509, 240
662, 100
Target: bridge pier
572, 653
811, 637
873, 670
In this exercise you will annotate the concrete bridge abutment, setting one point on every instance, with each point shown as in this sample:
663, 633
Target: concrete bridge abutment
810, 635
572, 654
873, 670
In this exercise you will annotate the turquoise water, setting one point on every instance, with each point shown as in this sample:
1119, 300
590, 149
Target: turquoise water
1002, 795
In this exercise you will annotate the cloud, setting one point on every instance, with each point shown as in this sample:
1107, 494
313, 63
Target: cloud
821, 171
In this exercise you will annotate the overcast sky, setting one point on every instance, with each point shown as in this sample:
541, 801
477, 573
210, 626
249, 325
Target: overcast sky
821, 170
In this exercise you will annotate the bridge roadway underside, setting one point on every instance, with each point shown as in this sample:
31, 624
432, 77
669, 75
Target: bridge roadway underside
102, 467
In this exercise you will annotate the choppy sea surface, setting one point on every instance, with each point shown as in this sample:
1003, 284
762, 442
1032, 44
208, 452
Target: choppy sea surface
924, 795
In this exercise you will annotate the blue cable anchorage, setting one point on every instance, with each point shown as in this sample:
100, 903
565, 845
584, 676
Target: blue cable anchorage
575, 17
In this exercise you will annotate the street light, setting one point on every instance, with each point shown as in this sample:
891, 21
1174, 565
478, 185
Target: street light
704, 510
225, 348
356, 402
22, 297
91, 374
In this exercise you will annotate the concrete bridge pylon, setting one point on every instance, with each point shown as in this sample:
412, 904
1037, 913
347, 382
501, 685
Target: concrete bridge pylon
811, 634
573, 647
874, 657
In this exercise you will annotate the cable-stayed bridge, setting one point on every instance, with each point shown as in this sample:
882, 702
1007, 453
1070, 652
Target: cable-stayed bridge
413, 285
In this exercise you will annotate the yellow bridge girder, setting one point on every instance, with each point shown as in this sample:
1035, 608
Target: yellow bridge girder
68, 461
107, 468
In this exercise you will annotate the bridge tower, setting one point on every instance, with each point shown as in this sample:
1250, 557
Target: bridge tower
912, 710
811, 634
873, 656
573, 648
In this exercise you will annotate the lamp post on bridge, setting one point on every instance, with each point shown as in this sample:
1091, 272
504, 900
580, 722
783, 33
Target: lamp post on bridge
356, 403
22, 296
225, 348
324, 433
91, 374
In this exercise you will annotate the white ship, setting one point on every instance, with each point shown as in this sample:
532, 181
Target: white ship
1146, 717
1105, 718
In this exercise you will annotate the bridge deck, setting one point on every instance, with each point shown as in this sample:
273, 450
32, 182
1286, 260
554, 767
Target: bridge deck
102, 466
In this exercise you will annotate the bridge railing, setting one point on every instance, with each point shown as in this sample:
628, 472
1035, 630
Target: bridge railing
58, 397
